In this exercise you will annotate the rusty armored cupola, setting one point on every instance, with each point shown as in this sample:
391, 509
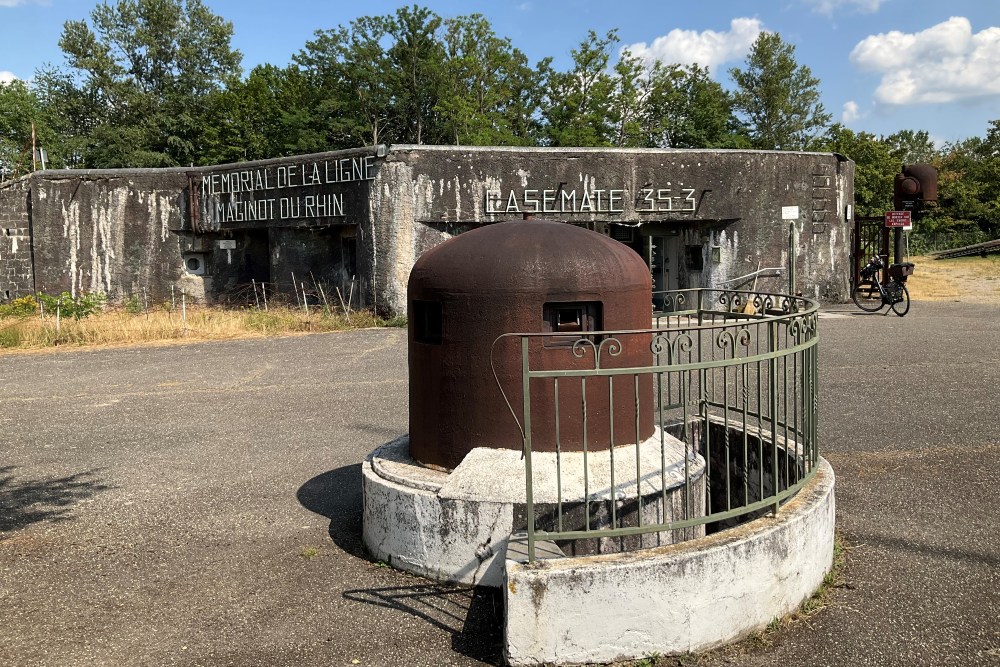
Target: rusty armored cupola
524, 277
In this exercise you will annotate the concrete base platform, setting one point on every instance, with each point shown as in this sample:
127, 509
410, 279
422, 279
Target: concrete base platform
671, 600
453, 526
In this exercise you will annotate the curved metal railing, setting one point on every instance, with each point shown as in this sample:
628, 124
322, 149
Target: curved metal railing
734, 382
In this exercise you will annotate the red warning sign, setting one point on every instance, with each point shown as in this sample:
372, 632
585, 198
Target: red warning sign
898, 219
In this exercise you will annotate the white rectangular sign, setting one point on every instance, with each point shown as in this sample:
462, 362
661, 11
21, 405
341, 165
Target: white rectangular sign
789, 212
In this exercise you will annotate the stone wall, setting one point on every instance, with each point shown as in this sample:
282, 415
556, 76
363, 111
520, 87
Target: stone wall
16, 275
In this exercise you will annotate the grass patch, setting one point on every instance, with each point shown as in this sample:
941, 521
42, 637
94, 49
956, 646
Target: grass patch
121, 326
967, 279
309, 553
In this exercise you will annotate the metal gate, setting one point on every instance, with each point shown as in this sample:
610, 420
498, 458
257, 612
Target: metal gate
871, 237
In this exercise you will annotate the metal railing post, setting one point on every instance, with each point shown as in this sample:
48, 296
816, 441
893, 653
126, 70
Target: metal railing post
772, 381
786, 393
529, 499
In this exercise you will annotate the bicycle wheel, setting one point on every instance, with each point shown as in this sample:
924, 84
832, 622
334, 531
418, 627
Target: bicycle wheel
867, 296
903, 306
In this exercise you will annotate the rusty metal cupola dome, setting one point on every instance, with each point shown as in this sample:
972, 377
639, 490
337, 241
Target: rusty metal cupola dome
525, 276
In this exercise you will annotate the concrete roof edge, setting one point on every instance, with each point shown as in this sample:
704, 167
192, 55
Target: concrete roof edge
567, 149
152, 171
14, 181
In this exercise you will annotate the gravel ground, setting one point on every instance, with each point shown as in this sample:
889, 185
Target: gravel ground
200, 505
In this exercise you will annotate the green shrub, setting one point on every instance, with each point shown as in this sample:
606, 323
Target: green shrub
133, 305
84, 305
20, 307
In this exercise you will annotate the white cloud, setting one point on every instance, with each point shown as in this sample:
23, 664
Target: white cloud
6, 77
829, 6
851, 112
945, 63
707, 48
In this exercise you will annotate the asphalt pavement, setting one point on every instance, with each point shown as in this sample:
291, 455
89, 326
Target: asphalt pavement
200, 504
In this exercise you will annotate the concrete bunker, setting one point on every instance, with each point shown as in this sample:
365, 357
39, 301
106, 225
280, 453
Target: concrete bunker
698, 218
696, 469
536, 276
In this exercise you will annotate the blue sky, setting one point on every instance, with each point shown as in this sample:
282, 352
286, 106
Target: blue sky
884, 65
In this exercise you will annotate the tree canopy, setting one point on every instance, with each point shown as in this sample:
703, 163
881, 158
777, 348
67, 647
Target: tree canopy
149, 83
778, 99
139, 83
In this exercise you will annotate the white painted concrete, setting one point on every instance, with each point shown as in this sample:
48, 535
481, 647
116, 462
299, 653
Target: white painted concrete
452, 526
675, 599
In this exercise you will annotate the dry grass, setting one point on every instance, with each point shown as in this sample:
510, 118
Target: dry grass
967, 279
117, 327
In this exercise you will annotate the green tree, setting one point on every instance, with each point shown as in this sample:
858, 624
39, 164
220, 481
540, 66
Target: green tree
377, 80
260, 117
968, 173
579, 109
489, 95
629, 101
687, 109
875, 167
19, 109
912, 147
778, 99
348, 74
416, 58
141, 80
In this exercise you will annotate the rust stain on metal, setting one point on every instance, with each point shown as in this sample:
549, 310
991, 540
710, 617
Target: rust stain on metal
523, 276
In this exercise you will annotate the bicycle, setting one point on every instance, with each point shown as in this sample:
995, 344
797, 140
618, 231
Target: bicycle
870, 294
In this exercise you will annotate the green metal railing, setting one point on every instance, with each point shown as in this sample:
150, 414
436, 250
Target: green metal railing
734, 385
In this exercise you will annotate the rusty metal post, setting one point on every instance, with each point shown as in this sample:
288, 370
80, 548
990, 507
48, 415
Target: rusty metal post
791, 258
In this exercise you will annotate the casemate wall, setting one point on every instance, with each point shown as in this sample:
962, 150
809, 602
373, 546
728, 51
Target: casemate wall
359, 219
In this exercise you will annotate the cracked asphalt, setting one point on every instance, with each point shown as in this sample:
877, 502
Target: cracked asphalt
200, 504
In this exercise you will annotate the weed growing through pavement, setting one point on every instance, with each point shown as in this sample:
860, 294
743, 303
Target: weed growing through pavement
308, 553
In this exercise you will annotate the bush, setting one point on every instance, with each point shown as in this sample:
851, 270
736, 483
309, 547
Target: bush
20, 307
84, 305
923, 243
133, 305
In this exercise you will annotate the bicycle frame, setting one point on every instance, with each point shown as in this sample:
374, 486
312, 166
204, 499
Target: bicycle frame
891, 293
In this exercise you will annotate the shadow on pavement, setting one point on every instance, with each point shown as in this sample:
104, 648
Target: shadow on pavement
337, 496
27, 501
472, 616
380, 433
898, 543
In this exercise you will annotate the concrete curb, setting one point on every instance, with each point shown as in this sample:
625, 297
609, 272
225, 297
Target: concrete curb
455, 526
674, 599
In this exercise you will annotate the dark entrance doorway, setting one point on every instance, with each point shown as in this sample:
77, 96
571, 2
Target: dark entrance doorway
255, 256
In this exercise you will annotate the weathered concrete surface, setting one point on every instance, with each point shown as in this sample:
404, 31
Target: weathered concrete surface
455, 526
726, 212
16, 274
226, 460
126, 232
732, 200
676, 599
107, 231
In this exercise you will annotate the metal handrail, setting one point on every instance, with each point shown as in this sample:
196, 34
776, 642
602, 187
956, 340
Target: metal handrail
718, 373
770, 272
